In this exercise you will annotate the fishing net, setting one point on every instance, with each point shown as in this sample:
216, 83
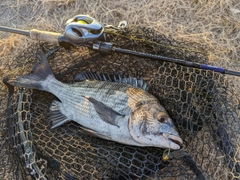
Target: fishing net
203, 105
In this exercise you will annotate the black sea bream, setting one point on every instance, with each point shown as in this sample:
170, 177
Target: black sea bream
110, 110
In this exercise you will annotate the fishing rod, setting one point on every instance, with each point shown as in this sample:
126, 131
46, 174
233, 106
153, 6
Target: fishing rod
83, 30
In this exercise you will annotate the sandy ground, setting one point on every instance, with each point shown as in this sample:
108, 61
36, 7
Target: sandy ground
214, 24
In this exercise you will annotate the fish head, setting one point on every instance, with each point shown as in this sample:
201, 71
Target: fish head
150, 125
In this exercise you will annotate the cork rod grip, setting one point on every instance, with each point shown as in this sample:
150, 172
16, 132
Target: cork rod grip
47, 36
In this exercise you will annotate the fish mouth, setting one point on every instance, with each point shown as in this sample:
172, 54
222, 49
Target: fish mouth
175, 139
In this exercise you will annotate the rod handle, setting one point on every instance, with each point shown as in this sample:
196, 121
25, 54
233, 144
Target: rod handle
47, 36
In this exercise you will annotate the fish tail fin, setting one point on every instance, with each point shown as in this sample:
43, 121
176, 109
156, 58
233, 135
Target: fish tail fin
40, 72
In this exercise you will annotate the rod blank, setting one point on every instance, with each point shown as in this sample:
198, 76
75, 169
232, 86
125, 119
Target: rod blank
13, 30
177, 61
34, 34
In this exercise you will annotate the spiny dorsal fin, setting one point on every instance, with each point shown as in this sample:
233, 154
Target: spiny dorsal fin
111, 78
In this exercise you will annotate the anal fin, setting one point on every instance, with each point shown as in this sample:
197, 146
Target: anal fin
91, 132
56, 118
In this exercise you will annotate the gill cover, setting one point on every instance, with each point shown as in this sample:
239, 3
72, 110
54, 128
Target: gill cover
81, 29
146, 129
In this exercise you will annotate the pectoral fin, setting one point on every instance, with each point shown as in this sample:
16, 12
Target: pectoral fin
105, 112
56, 118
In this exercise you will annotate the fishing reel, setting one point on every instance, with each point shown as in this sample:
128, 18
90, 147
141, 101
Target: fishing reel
81, 29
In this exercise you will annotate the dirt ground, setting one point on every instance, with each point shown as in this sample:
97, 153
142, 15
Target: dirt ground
214, 24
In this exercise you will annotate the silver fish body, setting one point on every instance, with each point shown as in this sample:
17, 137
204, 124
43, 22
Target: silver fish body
75, 105
115, 111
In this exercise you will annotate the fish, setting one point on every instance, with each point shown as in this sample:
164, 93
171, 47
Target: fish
116, 111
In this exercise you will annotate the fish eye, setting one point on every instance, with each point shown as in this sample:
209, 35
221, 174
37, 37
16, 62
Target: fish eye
162, 118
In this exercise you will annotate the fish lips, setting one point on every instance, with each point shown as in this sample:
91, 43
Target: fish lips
176, 141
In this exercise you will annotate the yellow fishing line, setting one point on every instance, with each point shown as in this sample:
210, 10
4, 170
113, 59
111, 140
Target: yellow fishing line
156, 43
82, 22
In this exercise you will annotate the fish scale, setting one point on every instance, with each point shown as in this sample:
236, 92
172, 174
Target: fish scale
117, 99
74, 97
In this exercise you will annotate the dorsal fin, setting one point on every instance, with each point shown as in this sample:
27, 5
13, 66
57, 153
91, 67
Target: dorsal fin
111, 78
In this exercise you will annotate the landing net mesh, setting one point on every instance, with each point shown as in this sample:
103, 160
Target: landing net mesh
203, 105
